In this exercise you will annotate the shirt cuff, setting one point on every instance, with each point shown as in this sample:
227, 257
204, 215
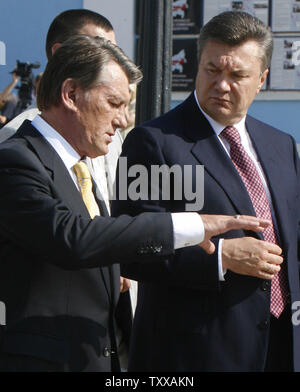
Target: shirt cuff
188, 229
222, 271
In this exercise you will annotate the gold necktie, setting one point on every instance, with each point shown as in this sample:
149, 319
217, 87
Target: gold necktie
85, 186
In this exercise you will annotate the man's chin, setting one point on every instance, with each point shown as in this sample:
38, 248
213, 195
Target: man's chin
99, 152
220, 115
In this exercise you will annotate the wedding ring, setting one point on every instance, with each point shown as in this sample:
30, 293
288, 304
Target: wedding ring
237, 216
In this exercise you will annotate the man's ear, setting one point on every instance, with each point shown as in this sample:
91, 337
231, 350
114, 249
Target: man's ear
54, 47
262, 80
69, 94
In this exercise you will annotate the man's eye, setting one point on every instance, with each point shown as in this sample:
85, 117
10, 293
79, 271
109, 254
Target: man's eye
211, 71
239, 76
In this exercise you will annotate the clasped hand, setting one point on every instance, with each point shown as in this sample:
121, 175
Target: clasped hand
247, 255
250, 256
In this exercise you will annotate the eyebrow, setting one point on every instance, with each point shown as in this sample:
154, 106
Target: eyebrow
236, 71
212, 64
118, 98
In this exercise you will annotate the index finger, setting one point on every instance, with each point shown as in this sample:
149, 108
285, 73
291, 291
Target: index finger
272, 248
248, 222
254, 219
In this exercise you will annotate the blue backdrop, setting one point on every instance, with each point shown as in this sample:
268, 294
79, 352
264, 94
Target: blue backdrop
23, 29
284, 115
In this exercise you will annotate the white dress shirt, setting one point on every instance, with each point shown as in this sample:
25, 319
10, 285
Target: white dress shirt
188, 227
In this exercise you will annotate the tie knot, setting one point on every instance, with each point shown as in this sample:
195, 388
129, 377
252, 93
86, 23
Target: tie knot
231, 134
81, 170
85, 186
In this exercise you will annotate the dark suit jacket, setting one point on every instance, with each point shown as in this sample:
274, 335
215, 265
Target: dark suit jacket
186, 319
59, 272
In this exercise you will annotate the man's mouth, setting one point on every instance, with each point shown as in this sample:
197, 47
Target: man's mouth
110, 135
221, 101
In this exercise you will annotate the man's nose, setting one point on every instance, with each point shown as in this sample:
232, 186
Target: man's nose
223, 83
120, 120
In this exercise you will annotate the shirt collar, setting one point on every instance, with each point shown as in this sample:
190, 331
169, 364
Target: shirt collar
217, 127
66, 152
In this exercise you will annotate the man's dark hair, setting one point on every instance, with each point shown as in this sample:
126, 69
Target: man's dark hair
70, 22
82, 59
234, 28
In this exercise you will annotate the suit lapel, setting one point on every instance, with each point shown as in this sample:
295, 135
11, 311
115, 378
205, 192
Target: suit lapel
111, 273
55, 168
210, 153
68, 191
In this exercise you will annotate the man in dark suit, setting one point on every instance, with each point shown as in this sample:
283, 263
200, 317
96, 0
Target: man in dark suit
200, 312
59, 272
64, 26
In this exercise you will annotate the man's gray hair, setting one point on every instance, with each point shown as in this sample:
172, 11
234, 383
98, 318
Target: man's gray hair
234, 28
81, 58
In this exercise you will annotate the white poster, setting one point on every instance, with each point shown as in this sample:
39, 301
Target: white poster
285, 66
258, 8
285, 15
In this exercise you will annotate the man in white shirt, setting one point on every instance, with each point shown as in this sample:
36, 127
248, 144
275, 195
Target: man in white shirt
221, 312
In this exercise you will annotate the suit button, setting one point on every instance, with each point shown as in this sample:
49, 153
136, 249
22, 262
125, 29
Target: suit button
106, 352
157, 249
263, 324
266, 285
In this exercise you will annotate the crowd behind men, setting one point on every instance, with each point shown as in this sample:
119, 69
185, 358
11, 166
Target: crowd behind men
60, 252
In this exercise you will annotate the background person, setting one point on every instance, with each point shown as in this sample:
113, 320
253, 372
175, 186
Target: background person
8, 101
8, 89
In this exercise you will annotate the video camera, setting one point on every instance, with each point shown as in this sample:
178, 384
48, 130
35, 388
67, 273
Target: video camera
25, 89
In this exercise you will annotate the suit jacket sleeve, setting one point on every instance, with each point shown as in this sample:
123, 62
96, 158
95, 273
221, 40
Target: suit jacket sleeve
40, 223
189, 267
